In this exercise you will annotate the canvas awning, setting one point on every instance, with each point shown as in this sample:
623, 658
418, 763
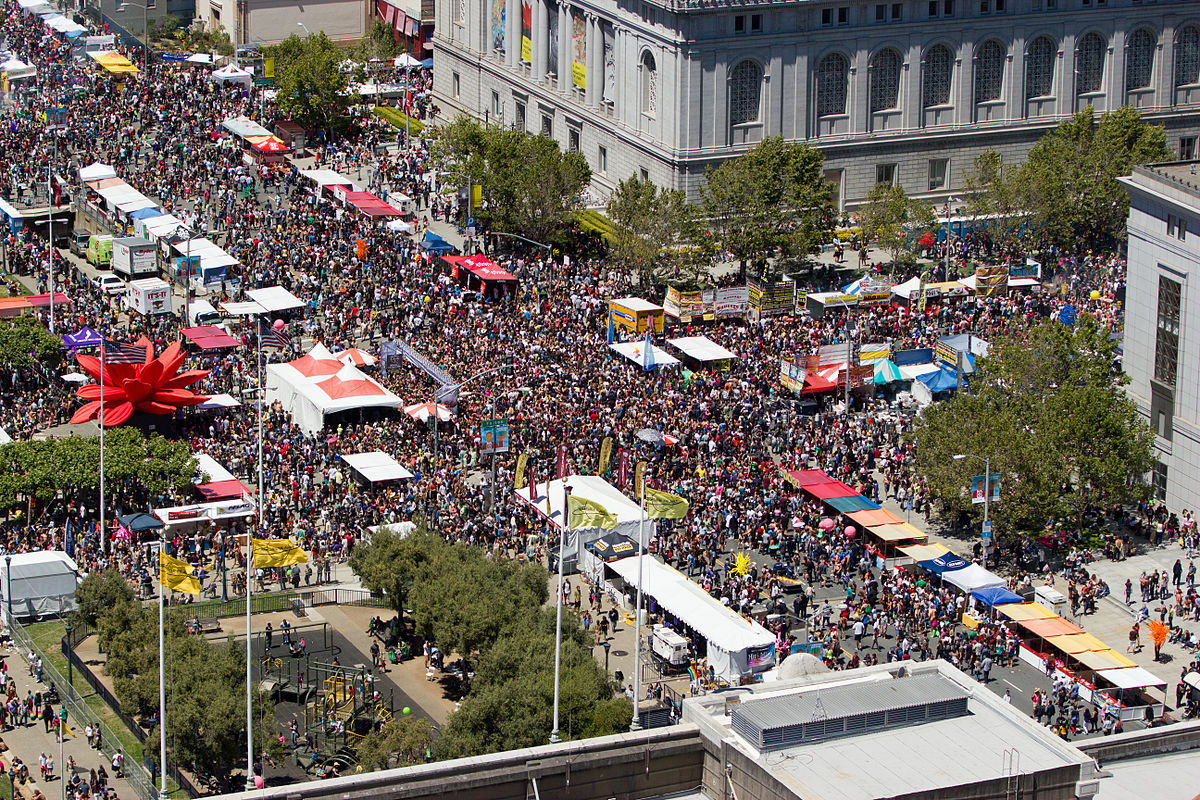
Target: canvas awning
824, 491
633, 351
806, 477
1052, 626
1102, 659
851, 503
923, 552
701, 348
997, 596
872, 517
244, 126
1073, 643
223, 490
897, 533
1131, 677
219, 401
275, 298
1026, 611
210, 337
481, 267
114, 62
940, 565
377, 466
972, 578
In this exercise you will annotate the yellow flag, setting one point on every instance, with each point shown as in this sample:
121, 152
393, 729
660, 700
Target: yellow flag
639, 479
663, 505
278, 553
522, 464
589, 514
605, 455
176, 575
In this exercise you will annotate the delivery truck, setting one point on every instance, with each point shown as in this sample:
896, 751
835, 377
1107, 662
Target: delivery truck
134, 258
149, 296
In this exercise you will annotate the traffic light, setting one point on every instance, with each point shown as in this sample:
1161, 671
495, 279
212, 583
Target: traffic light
507, 367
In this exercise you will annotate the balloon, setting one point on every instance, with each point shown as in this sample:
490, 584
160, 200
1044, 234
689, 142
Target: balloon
1095, 295
406, 711
278, 324
920, 583
826, 524
850, 530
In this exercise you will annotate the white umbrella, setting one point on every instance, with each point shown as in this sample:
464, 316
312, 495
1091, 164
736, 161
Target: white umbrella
406, 61
421, 411
75, 377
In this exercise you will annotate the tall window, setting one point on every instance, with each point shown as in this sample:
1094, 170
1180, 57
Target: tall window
831, 85
1139, 62
885, 80
1187, 56
936, 76
1089, 63
649, 84
1166, 346
989, 71
1039, 67
745, 92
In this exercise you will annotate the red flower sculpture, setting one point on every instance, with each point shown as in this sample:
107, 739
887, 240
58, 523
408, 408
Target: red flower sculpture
152, 387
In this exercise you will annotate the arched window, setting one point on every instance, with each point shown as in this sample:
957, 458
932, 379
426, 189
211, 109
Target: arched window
831, 85
1187, 56
745, 92
936, 75
989, 71
885, 80
1039, 67
649, 84
1089, 63
1139, 61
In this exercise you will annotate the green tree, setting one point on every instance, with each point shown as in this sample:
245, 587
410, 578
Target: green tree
528, 185
894, 219
1046, 406
379, 43
391, 562
401, 741
772, 200
995, 199
97, 593
24, 340
1069, 180
655, 230
312, 87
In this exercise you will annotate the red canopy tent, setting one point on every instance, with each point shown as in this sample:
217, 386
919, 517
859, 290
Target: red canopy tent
223, 490
824, 491
339, 389
369, 204
271, 145
42, 300
210, 337
807, 477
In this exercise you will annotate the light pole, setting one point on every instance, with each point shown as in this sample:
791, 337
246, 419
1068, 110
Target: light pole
307, 32
162, 680
651, 436
562, 550
187, 267
987, 495
145, 27
438, 394
949, 200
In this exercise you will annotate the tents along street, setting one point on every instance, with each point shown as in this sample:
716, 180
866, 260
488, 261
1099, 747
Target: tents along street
352, 445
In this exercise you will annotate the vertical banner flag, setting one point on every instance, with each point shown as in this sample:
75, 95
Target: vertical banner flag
647, 353
519, 477
493, 436
578, 50
527, 31
639, 475
499, 21
993, 486
562, 461
623, 467
605, 455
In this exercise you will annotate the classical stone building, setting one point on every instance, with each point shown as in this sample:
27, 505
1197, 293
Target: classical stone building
904, 90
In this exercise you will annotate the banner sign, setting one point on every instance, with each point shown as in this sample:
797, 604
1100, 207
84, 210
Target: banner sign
493, 436
526, 31
791, 375
605, 455
993, 485
862, 376
946, 354
991, 280
562, 461
770, 299
578, 50
879, 298
1030, 269
731, 301
519, 477
671, 302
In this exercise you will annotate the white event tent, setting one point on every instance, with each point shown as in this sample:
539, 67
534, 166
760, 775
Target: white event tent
377, 466
550, 499
317, 384
736, 646
701, 348
634, 352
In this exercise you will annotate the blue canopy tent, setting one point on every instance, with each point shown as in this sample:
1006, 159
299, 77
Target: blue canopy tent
84, 337
427, 63
997, 596
435, 244
946, 563
941, 381
852, 503
146, 213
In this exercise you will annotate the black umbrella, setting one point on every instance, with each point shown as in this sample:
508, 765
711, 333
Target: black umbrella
140, 522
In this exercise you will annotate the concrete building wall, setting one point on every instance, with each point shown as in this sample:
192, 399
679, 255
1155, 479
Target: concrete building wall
268, 22
697, 47
1158, 203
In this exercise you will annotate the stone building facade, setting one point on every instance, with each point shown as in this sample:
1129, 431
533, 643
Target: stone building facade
909, 91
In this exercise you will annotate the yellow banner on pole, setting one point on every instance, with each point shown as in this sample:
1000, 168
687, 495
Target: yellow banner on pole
177, 575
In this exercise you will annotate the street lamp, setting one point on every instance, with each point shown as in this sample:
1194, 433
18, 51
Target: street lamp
145, 26
307, 32
949, 200
187, 266
70, 661
987, 493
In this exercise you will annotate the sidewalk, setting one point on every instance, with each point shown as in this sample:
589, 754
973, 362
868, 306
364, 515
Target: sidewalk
28, 743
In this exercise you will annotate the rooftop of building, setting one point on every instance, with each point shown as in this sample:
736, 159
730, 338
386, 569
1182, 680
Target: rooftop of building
933, 746
1183, 175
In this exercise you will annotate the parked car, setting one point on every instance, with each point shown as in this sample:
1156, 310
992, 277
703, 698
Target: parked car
109, 284
79, 242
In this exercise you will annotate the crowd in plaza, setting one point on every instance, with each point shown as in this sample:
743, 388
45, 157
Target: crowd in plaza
735, 429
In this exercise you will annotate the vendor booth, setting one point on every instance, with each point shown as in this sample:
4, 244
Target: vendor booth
547, 500
817, 303
317, 385
701, 350
635, 351
636, 315
734, 646
38, 584
480, 274
609, 547
376, 467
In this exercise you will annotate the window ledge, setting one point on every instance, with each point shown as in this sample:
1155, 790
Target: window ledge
990, 103
1141, 90
842, 115
1097, 93
747, 125
940, 107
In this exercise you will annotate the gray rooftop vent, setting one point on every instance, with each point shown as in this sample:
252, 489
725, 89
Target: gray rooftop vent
778, 722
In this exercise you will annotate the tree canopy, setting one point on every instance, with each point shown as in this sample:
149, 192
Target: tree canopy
1047, 408
390, 562
656, 232
894, 219
24, 340
994, 193
312, 87
528, 185
771, 200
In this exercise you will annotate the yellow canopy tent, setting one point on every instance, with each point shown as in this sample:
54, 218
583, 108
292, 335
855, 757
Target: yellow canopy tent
1103, 659
1074, 643
924, 552
1019, 612
114, 62
897, 533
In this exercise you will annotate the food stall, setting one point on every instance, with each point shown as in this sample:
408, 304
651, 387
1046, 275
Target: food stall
702, 351
636, 315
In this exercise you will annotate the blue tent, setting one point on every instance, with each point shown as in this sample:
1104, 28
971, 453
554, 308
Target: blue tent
997, 596
84, 337
427, 63
945, 563
886, 372
853, 503
435, 244
146, 213
941, 381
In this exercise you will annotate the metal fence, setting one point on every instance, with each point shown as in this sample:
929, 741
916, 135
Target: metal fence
134, 773
274, 602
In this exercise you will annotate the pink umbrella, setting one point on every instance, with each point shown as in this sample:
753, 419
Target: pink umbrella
826, 524
850, 530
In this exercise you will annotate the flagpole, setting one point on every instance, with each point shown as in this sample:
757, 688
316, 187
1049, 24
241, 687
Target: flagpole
636, 724
250, 570
102, 447
562, 548
162, 684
